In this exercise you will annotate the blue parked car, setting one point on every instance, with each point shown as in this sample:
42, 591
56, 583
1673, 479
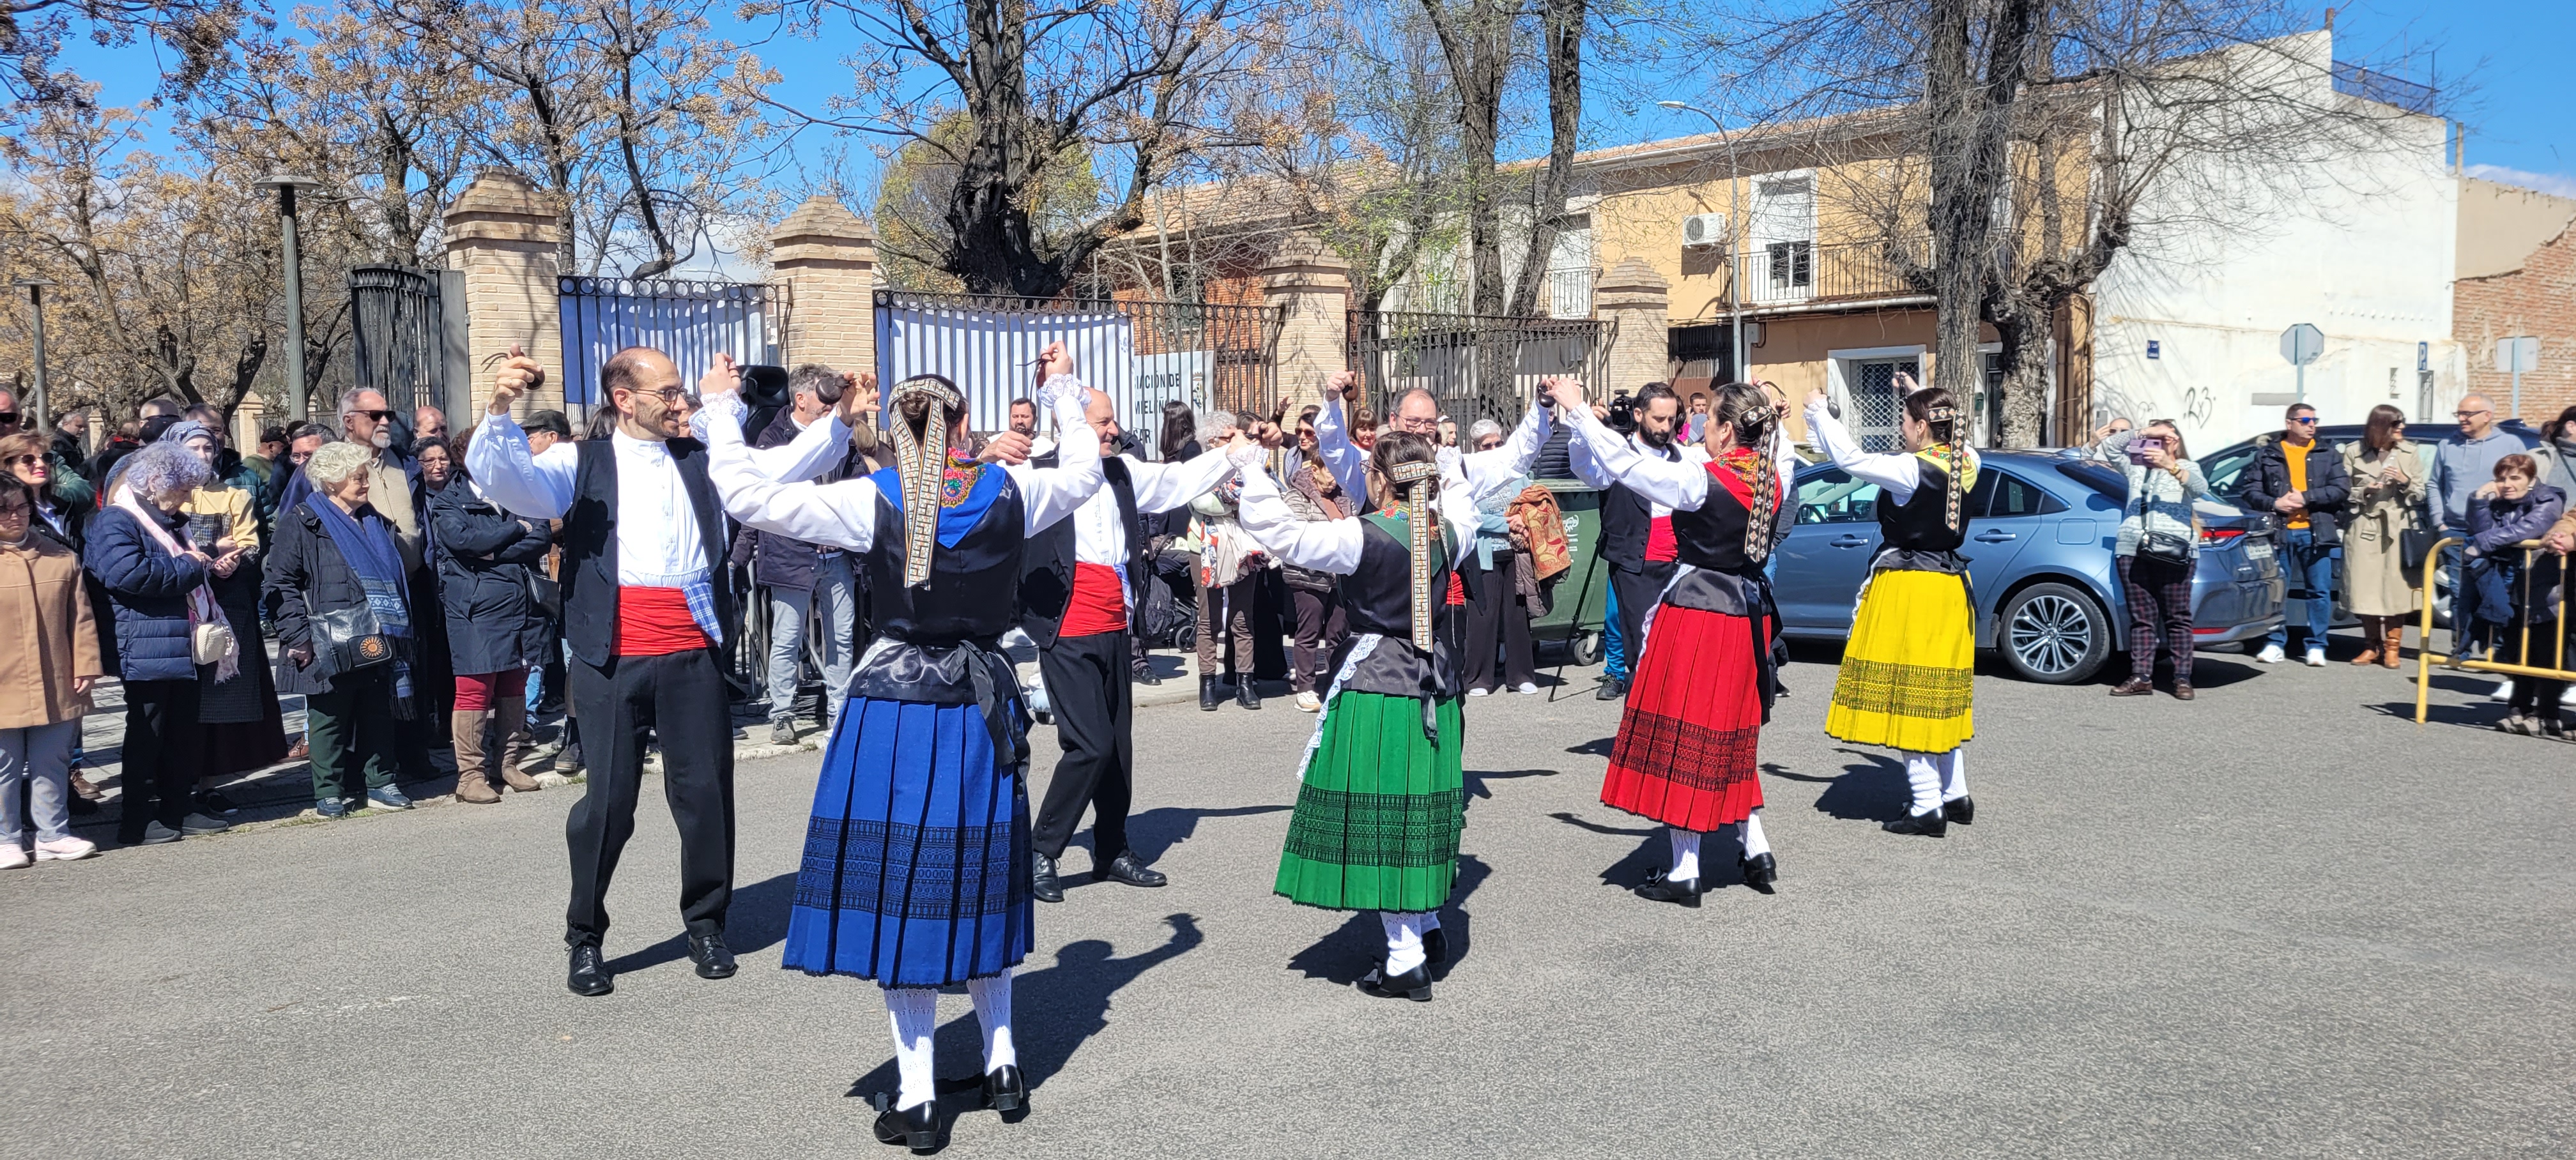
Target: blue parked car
2040, 533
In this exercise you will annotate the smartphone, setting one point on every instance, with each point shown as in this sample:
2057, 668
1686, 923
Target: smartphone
204, 530
2139, 447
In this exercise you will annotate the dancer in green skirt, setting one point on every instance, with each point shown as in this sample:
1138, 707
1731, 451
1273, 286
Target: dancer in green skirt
1381, 800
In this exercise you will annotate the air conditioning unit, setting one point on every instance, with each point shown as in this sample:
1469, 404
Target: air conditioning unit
1704, 229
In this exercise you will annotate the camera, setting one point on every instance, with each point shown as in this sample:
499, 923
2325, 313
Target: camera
764, 385
1623, 413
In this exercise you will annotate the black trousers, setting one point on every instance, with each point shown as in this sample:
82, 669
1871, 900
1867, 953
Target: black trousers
1639, 590
1321, 624
164, 745
1496, 616
679, 700
1087, 686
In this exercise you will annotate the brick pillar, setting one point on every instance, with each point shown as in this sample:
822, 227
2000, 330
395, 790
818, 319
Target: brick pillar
246, 421
827, 259
1313, 284
1632, 297
507, 240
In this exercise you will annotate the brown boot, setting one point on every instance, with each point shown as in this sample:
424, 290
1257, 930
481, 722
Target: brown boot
473, 782
2369, 641
511, 726
2395, 639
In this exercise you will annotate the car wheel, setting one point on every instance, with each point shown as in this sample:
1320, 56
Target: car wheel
2055, 634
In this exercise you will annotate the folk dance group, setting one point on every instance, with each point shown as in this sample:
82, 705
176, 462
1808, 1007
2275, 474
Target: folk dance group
922, 862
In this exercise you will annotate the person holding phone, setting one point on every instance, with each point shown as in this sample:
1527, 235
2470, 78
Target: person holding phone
2387, 502
244, 729
2157, 547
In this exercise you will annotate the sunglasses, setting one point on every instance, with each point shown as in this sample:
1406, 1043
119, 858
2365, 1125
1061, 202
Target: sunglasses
25, 460
378, 416
8, 417
2305, 420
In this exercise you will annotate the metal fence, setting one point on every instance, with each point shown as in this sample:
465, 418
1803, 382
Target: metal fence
399, 324
692, 322
2352, 80
1477, 366
1143, 353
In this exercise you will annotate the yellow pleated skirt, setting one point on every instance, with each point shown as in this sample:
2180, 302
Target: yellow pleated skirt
1909, 674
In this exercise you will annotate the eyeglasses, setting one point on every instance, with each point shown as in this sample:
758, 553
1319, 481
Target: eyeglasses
25, 460
2304, 420
1488, 444
378, 416
668, 395
8, 418
2470, 414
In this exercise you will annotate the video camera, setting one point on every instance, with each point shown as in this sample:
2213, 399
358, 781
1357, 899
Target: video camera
1623, 413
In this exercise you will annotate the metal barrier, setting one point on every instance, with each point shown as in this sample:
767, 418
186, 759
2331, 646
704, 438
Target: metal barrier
2425, 657
692, 322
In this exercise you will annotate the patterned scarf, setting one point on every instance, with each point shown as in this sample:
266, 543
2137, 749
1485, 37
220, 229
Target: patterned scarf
1954, 460
1759, 470
1419, 482
923, 464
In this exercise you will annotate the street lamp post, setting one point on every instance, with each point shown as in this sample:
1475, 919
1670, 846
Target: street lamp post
35, 288
286, 185
1734, 251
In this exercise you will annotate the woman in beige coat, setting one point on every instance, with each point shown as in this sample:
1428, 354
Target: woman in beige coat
46, 670
2388, 476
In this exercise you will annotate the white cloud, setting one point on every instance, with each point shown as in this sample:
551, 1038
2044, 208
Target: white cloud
2559, 184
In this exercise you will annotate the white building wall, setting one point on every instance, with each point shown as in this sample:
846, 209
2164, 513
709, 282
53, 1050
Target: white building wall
2361, 247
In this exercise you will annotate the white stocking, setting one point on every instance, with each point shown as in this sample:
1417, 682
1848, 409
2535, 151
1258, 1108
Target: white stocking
1685, 853
914, 1011
993, 1013
1755, 845
1954, 774
1403, 941
1923, 772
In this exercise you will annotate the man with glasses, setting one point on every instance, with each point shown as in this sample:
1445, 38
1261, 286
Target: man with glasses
2304, 485
2460, 468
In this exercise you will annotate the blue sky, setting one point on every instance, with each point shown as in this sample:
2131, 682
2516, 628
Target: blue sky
2511, 53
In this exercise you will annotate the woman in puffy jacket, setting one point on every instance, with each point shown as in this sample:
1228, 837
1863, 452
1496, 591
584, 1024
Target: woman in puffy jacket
156, 584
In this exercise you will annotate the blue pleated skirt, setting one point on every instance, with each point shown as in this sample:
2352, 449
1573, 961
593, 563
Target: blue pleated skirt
916, 861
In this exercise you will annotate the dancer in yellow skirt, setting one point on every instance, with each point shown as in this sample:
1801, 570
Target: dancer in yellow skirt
1907, 677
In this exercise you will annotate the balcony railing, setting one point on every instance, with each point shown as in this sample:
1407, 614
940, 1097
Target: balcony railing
2352, 80
1792, 273
1569, 292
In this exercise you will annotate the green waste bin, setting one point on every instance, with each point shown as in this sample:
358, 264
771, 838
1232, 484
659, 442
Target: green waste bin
1582, 589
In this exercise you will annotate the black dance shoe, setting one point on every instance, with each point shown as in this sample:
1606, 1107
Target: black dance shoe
713, 957
1043, 884
1930, 825
1612, 688
589, 975
1147, 676
1962, 810
915, 1127
1760, 871
1435, 946
1208, 698
1130, 869
1004, 1090
1661, 887
1414, 984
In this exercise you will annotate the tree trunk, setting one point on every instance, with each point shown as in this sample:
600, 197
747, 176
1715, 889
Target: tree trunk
2022, 417
1564, 53
1970, 118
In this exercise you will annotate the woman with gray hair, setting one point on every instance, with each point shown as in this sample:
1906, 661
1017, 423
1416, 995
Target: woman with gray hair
168, 626
1501, 584
336, 588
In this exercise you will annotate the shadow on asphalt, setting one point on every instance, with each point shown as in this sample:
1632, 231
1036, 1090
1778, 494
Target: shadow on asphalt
755, 920
1346, 954
1476, 779
1598, 747
1052, 1012
1868, 790
1153, 833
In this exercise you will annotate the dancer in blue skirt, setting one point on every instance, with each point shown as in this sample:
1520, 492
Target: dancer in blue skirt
916, 871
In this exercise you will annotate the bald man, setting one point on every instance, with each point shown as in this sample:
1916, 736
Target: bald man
1081, 582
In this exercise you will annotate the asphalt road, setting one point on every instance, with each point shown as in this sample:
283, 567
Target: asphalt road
2281, 920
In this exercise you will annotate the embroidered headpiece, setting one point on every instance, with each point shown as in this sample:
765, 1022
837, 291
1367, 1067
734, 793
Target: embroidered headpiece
1759, 531
1422, 478
1954, 459
921, 464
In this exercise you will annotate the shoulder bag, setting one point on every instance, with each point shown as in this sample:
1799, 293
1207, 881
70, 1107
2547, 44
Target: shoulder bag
351, 637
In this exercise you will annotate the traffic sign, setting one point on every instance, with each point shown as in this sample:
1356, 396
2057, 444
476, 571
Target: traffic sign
2302, 344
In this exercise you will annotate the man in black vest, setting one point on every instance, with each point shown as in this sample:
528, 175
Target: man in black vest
1080, 584
645, 604
1636, 536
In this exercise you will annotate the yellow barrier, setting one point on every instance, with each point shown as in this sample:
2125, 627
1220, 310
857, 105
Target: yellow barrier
2424, 655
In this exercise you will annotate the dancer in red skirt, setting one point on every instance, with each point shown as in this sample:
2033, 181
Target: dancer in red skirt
1685, 755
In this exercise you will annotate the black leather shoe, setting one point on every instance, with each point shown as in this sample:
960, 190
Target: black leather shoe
1414, 984
1660, 888
1043, 884
713, 957
1004, 1090
1930, 825
589, 974
1611, 689
1435, 946
1147, 677
1961, 810
1127, 868
1244, 694
1208, 698
1760, 871
915, 1127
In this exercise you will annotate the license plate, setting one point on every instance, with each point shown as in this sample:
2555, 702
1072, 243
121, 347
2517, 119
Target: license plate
2258, 549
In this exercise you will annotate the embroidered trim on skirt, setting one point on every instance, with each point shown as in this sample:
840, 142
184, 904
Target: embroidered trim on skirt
1690, 734
1379, 810
916, 870
1909, 673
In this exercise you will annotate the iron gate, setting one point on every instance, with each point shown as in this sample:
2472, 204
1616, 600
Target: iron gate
399, 322
692, 322
1477, 366
1144, 354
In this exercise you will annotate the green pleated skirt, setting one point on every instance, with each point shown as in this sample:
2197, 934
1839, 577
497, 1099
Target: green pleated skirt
1379, 812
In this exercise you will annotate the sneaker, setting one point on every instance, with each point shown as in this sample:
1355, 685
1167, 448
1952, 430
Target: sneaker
387, 798
1308, 702
782, 731
65, 849
2271, 655
156, 834
2568, 697
13, 856
331, 808
2503, 691
2316, 656
1526, 688
201, 824
1478, 692
569, 757
214, 802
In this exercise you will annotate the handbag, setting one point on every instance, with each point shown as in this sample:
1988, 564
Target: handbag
352, 638
209, 644
2413, 544
2164, 548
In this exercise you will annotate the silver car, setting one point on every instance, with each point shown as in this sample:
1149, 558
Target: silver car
2040, 535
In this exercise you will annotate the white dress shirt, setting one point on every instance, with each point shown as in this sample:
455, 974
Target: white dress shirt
1471, 473
1587, 465
1603, 456
1100, 536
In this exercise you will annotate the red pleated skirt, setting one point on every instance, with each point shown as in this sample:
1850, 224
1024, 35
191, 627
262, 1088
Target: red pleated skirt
1686, 752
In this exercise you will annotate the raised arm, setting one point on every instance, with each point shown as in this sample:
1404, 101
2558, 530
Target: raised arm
1342, 457
1682, 486
1898, 474
1320, 545
837, 515
1049, 494
1514, 457
539, 486
1160, 487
